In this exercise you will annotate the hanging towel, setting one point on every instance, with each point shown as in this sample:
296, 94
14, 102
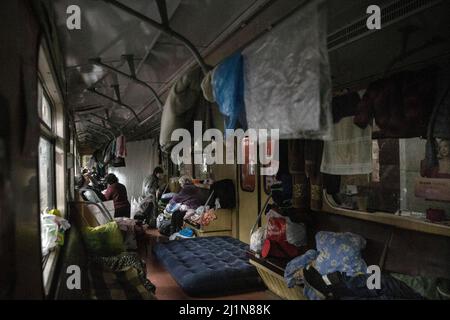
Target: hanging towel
228, 89
121, 149
349, 151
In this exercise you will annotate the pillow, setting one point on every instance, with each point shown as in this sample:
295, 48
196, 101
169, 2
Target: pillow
340, 252
105, 240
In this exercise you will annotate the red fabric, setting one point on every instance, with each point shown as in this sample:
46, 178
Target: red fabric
118, 193
276, 229
276, 244
279, 249
435, 215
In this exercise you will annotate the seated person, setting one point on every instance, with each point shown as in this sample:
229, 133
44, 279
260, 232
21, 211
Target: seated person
190, 196
87, 192
118, 193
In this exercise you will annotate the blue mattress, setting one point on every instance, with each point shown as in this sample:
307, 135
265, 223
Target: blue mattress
210, 266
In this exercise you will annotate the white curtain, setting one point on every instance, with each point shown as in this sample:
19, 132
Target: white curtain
142, 158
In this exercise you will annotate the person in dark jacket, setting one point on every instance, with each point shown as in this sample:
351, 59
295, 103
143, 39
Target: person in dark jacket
151, 183
118, 193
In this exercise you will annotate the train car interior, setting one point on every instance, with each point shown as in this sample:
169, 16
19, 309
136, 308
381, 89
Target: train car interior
225, 150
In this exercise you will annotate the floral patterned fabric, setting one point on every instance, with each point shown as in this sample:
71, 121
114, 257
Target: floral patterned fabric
335, 252
340, 252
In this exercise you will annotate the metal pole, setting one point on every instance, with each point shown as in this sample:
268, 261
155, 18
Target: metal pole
89, 110
115, 101
103, 128
92, 130
98, 62
165, 29
104, 119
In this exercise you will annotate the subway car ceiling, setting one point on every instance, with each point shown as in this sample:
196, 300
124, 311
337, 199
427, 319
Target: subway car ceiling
118, 67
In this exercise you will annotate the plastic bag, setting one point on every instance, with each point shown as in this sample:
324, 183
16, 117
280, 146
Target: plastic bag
53, 227
49, 233
257, 239
134, 207
281, 229
104, 240
228, 89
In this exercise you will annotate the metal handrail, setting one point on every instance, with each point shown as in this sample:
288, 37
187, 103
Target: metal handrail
101, 207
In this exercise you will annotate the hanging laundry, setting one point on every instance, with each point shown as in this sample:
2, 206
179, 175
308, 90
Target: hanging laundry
121, 148
228, 90
400, 104
179, 108
287, 84
349, 151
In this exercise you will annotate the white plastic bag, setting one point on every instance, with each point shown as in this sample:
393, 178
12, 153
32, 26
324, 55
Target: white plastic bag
294, 233
257, 239
49, 233
134, 207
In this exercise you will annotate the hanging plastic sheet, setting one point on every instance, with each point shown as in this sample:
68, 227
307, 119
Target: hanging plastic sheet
287, 83
228, 90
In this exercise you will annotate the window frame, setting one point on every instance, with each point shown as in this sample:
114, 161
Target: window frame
47, 133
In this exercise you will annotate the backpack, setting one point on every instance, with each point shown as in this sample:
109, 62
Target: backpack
225, 192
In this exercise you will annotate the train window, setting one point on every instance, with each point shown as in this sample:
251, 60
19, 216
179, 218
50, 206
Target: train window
46, 177
391, 188
46, 153
44, 108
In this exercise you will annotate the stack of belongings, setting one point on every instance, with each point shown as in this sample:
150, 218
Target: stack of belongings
164, 201
283, 237
202, 216
189, 198
336, 270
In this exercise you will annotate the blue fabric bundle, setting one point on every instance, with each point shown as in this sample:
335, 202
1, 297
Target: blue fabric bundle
340, 252
335, 252
228, 88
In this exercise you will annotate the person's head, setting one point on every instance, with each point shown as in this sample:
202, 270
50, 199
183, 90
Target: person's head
111, 179
85, 170
81, 181
158, 172
184, 180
